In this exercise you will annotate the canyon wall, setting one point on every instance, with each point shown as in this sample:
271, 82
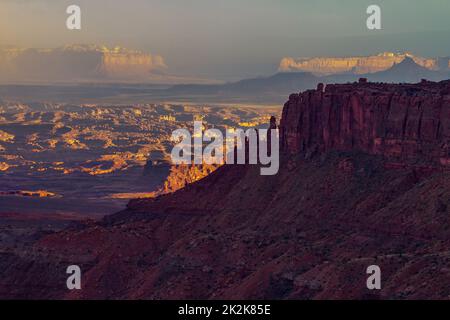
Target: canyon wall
358, 65
308, 232
405, 123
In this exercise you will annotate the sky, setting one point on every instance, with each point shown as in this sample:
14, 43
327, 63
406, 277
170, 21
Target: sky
232, 39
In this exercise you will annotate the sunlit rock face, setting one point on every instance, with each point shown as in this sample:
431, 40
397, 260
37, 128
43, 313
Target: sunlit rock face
405, 123
77, 63
358, 65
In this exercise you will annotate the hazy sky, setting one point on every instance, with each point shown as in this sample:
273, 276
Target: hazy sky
229, 39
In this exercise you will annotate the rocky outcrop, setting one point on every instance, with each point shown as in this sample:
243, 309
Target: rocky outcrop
175, 177
404, 123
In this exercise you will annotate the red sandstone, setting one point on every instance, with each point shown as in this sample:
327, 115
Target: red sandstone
406, 123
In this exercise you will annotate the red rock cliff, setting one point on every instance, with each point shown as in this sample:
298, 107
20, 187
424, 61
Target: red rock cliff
406, 123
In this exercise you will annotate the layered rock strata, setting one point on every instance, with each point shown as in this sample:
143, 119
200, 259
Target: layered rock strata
405, 123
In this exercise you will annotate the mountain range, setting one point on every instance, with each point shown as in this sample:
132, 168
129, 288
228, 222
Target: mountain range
275, 88
120, 73
94, 63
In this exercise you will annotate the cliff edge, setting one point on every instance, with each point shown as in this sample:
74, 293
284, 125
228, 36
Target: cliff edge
405, 123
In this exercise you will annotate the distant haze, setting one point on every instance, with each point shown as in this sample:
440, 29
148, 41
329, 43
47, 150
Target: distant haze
231, 39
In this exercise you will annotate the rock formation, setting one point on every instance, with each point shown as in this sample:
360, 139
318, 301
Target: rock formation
408, 123
358, 65
78, 62
175, 177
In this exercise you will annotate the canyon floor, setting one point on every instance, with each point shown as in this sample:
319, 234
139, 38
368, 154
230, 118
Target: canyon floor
61, 163
91, 159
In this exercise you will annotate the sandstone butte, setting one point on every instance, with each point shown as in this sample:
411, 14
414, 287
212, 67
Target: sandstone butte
350, 193
406, 123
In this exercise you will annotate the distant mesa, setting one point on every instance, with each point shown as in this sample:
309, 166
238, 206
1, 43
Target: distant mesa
275, 88
359, 65
78, 63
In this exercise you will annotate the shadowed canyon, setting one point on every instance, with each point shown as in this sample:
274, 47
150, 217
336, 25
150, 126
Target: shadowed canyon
364, 179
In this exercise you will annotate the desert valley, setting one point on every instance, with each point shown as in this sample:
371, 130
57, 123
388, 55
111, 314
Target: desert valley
363, 180
336, 187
